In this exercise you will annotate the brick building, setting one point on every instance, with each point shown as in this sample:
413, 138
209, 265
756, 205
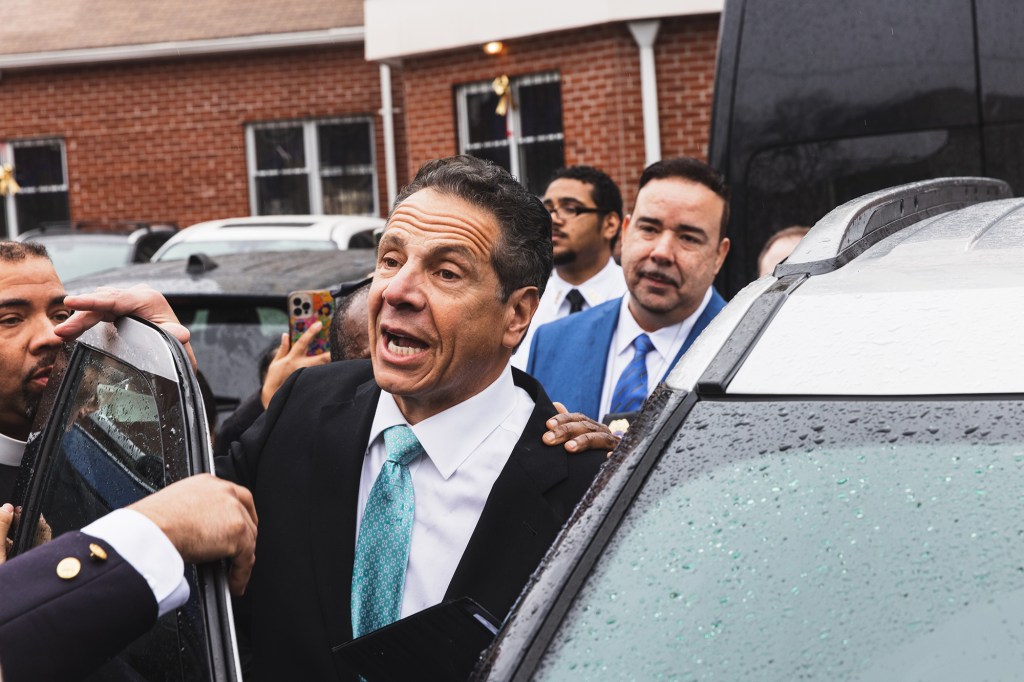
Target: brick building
112, 110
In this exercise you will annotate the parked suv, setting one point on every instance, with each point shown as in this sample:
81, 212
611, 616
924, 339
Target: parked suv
820, 101
828, 486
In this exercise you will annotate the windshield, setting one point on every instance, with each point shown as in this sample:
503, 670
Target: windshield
79, 257
228, 338
834, 540
183, 250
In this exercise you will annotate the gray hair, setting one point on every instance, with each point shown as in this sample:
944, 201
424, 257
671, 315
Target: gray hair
522, 255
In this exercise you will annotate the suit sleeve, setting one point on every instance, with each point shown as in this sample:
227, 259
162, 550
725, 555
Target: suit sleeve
238, 423
54, 628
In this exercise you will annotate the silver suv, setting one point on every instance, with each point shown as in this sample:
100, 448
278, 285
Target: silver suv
829, 486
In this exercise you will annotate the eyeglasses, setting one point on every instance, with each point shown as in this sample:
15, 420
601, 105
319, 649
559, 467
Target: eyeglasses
570, 211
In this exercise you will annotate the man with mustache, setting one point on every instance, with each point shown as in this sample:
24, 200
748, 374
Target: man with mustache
586, 214
127, 566
608, 359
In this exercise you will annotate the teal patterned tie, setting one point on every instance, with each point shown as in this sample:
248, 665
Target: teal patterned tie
382, 549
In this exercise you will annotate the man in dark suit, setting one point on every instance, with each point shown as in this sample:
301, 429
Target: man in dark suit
387, 486
609, 358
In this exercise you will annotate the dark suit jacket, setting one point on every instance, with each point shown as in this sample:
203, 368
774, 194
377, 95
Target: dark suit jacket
55, 629
569, 356
302, 461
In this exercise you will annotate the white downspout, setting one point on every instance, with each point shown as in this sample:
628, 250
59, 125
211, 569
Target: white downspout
645, 33
387, 114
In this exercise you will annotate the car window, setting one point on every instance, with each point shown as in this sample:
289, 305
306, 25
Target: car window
118, 429
80, 257
147, 245
229, 337
184, 249
834, 540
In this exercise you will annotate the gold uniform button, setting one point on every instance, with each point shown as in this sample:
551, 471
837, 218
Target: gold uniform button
97, 552
68, 568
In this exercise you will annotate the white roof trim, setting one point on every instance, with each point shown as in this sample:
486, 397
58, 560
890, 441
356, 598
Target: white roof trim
183, 48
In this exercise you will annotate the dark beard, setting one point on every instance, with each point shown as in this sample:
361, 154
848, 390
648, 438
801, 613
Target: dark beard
564, 258
31, 398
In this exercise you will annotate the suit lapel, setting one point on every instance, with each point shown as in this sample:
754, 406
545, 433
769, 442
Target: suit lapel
517, 522
595, 347
336, 470
712, 309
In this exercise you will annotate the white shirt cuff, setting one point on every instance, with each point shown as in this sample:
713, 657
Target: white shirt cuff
142, 544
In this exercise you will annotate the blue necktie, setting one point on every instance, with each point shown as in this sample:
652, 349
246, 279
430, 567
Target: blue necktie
382, 549
631, 389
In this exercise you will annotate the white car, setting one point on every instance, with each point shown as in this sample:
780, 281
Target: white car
828, 486
272, 233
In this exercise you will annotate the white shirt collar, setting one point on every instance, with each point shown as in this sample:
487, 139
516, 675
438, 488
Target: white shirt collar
473, 420
11, 451
594, 290
666, 340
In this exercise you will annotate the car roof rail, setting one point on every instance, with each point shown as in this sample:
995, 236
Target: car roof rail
198, 263
849, 230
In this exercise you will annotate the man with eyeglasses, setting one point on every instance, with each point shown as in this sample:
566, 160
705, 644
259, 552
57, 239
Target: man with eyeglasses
607, 360
586, 214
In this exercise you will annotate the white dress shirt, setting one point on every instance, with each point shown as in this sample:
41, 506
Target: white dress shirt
604, 286
667, 342
138, 540
466, 448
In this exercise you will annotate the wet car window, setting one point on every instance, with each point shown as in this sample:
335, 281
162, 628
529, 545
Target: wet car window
228, 339
832, 540
121, 439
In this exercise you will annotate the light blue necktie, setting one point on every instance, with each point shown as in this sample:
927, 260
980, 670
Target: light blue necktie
631, 389
382, 549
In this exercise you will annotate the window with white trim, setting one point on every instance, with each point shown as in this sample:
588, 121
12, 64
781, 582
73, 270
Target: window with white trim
40, 170
527, 140
318, 167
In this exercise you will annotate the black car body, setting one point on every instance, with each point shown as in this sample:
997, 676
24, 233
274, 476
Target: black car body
817, 103
235, 305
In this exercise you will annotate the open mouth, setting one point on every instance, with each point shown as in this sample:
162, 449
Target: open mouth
41, 377
403, 345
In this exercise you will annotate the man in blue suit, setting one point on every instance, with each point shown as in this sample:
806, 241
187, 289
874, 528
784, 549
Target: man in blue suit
609, 358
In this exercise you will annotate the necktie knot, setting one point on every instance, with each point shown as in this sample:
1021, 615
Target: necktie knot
643, 344
401, 445
576, 301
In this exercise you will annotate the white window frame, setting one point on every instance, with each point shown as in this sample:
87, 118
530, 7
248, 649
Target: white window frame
514, 138
11, 200
312, 169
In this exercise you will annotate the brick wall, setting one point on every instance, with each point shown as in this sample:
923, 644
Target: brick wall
600, 72
165, 140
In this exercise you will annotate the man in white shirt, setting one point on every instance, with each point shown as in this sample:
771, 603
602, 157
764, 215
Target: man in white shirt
127, 567
586, 214
608, 359
386, 486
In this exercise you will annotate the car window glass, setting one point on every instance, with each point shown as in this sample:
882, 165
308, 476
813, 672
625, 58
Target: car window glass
228, 339
79, 257
120, 435
814, 540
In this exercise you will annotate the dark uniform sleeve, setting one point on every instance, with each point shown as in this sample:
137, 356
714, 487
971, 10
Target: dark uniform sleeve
63, 626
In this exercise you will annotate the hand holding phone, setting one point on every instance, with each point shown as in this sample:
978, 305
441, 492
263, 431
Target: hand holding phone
305, 308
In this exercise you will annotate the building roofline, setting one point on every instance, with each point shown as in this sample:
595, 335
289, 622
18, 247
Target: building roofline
183, 48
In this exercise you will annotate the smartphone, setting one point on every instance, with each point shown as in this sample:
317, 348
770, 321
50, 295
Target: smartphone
305, 308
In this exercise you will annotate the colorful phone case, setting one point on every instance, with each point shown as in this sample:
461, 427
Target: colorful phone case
305, 308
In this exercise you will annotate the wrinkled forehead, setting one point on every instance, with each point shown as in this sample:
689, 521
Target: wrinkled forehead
435, 219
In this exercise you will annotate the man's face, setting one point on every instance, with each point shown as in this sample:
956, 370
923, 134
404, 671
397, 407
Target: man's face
671, 250
439, 333
583, 237
776, 253
31, 304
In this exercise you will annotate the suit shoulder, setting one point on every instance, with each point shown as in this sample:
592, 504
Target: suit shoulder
336, 379
580, 322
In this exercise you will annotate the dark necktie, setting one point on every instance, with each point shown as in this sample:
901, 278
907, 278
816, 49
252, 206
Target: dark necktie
631, 389
576, 301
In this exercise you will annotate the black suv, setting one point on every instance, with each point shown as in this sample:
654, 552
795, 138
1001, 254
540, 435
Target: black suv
820, 101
